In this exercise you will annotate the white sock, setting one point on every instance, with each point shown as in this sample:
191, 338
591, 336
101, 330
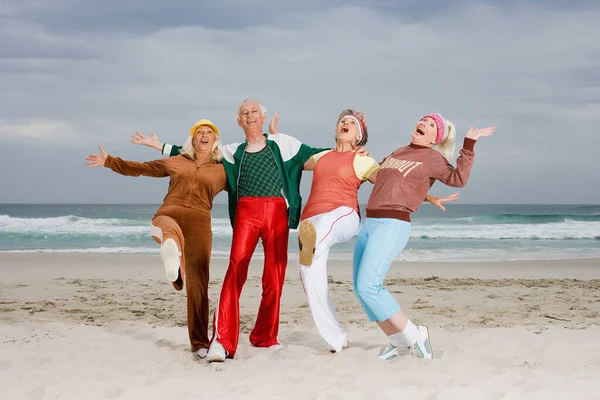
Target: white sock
398, 340
410, 333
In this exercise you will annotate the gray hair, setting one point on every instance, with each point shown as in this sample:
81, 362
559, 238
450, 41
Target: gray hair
363, 118
263, 110
216, 153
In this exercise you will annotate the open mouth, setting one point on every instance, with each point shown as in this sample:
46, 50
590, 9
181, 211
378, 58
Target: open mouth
204, 141
344, 130
420, 131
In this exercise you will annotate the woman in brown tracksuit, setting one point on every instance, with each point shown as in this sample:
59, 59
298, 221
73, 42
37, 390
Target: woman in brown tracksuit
182, 224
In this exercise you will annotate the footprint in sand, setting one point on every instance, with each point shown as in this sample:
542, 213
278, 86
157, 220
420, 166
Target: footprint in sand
4, 365
36, 394
114, 393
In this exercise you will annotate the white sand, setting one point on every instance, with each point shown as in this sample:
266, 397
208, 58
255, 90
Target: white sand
78, 326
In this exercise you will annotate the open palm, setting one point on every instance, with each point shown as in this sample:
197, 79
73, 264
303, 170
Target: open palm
476, 133
96, 160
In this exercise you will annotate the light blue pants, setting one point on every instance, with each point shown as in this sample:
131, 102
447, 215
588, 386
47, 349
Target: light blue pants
378, 242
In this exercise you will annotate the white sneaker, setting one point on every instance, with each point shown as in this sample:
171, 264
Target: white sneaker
390, 352
170, 255
216, 352
201, 353
422, 347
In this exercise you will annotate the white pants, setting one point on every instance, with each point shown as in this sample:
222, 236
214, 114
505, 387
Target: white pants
336, 226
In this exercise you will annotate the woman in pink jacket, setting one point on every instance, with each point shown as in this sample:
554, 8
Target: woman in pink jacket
401, 184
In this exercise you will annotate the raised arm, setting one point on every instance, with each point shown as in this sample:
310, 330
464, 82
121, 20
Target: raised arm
444, 172
273, 124
165, 148
156, 169
292, 148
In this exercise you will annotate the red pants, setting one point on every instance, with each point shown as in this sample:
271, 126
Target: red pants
256, 217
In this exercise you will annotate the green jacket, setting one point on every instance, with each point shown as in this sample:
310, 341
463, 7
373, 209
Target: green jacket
290, 155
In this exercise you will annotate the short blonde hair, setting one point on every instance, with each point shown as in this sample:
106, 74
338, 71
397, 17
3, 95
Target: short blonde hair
216, 153
363, 118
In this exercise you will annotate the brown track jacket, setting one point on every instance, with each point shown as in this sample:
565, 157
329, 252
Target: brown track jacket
192, 184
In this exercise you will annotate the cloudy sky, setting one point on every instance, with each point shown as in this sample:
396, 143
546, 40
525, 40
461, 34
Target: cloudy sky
78, 73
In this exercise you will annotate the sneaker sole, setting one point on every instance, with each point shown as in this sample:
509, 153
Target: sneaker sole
429, 340
170, 256
215, 358
307, 240
388, 356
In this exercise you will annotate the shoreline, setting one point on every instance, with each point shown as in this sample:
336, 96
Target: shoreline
149, 266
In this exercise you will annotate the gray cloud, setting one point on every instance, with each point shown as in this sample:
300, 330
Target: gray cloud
529, 68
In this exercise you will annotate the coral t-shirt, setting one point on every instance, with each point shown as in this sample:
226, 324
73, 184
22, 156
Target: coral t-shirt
336, 179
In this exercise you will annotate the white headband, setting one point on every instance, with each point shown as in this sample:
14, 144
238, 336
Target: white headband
360, 125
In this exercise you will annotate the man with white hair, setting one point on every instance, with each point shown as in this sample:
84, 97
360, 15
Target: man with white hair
263, 179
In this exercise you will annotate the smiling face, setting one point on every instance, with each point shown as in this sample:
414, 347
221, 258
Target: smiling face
204, 139
347, 129
425, 132
250, 117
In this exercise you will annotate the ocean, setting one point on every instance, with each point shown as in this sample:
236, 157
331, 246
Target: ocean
462, 233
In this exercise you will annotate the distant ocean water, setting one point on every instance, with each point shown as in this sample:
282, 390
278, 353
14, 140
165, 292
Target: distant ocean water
462, 233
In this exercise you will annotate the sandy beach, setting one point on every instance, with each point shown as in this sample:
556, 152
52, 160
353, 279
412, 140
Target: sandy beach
100, 326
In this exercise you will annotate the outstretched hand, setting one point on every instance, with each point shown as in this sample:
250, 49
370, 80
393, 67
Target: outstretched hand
439, 201
474, 133
152, 141
96, 160
360, 150
273, 124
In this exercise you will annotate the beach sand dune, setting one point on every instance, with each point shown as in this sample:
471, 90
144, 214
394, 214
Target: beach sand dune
77, 326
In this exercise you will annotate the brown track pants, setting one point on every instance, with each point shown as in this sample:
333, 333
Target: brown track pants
191, 230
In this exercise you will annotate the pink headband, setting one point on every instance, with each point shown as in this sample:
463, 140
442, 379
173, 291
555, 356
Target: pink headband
439, 121
361, 127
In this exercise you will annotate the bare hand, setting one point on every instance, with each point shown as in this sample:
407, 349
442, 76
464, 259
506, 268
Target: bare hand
477, 133
96, 160
273, 124
152, 141
361, 151
439, 201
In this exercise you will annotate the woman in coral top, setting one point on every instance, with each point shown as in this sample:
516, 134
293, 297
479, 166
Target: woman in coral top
332, 215
403, 180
